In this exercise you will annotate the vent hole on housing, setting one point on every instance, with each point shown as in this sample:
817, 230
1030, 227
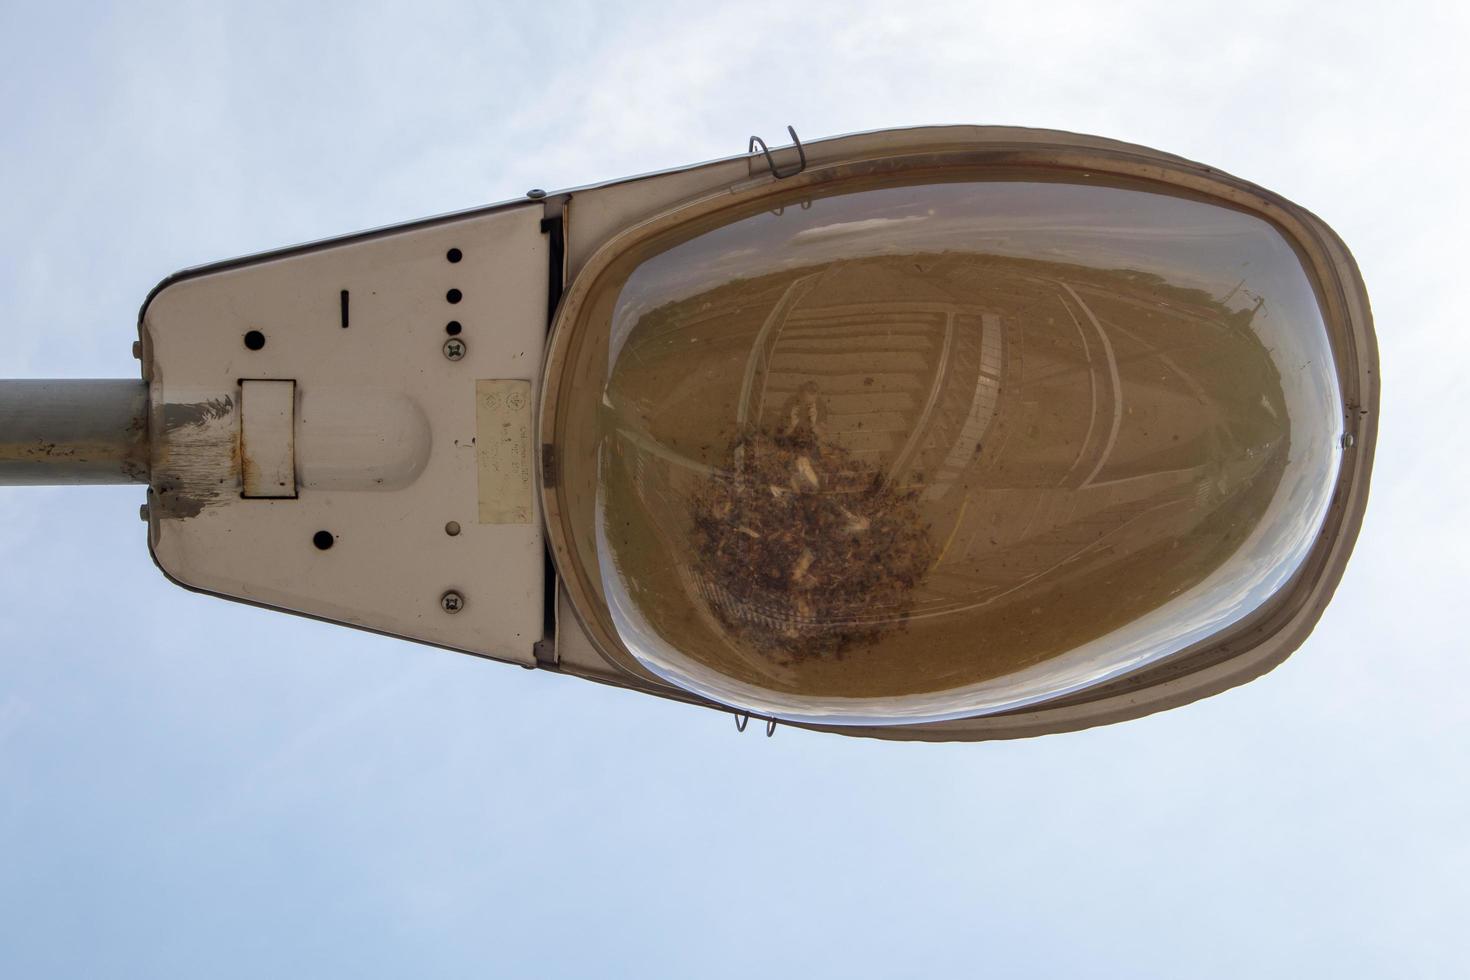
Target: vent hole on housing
323, 540
254, 340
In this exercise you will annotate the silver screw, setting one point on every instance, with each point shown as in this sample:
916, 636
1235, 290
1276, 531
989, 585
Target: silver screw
455, 349
1347, 440
451, 601
143, 513
452, 528
137, 350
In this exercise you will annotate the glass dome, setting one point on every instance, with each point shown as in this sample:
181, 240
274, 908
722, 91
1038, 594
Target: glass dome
905, 452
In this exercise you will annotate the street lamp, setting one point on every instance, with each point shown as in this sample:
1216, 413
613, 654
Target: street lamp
936, 433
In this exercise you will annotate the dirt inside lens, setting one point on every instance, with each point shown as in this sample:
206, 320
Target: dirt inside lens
935, 449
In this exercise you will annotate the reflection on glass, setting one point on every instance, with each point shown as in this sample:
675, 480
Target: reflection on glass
920, 452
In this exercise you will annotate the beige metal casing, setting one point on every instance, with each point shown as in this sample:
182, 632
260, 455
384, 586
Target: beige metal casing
385, 429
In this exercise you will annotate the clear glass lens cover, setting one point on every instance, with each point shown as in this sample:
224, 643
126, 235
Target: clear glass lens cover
916, 452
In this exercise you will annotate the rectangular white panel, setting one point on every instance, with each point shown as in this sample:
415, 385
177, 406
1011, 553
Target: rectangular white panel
268, 438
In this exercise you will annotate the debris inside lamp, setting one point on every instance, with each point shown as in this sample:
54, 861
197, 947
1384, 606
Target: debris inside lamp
806, 550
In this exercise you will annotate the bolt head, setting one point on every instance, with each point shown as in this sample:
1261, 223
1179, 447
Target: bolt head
455, 349
535, 193
451, 602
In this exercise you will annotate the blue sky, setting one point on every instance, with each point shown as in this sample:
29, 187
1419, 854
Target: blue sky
189, 787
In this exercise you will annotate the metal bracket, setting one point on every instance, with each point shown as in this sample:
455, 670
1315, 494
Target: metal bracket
777, 172
742, 718
805, 206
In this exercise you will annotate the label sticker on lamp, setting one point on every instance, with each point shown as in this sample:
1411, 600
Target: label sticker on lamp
503, 451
